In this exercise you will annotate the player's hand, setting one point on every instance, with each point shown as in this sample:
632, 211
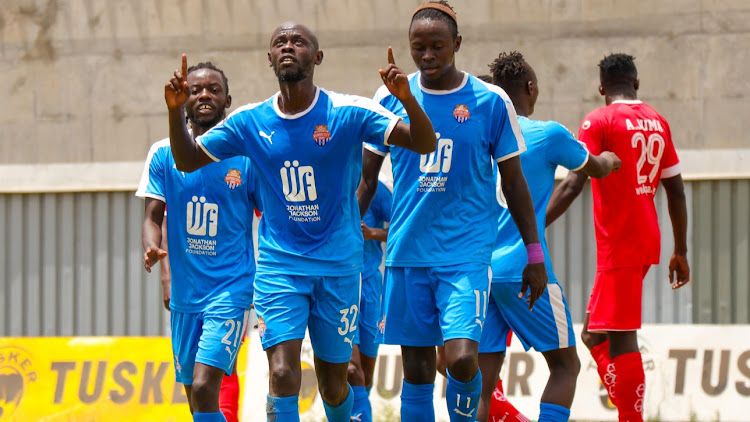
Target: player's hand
152, 256
366, 231
679, 271
176, 90
395, 79
616, 162
535, 280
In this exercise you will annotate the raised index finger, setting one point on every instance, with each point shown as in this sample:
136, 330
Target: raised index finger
390, 55
184, 66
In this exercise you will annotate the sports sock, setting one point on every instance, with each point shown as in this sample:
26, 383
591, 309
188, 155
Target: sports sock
606, 368
501, 408
549, 412
229, 397
463, 397
630, 386
342, 412
208, 417
283, 409
416, 402
362, 410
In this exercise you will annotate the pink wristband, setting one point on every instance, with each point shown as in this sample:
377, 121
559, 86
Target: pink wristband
535, 253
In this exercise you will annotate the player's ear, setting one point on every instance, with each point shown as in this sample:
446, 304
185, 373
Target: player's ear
637, 84
601, 90
229, 101
457, 45
530, 88
270, 63
319, 57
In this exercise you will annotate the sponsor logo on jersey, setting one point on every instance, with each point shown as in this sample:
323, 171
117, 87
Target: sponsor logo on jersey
233, 178
321, 135
16, 373
202, 220
438, 161
461, 113
586, 124
202, 217
298, 182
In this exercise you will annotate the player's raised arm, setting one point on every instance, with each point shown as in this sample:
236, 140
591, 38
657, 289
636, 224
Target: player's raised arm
521, 208
188, 156
679, 270
419, 136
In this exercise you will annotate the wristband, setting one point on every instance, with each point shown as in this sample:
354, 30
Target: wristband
535, 253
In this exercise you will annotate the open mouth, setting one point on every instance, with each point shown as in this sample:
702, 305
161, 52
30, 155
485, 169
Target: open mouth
205, 109
287, 60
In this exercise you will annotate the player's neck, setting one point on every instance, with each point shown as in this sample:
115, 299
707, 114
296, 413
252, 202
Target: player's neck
620, 96
450, 80
295, 97
198, 130
521, 106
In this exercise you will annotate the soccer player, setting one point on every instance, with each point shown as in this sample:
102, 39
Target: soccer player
627, 230
548, 329
444, 220
230, 386
210, 241
306, 143
365, 351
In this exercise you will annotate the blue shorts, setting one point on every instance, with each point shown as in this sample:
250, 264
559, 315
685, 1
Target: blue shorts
328, 307
369, 314
425, 306
547, 327
211, 337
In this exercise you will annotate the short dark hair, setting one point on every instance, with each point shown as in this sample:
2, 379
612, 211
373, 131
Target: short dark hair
485, 78
430, 13
618, 68
211, 66
510, 71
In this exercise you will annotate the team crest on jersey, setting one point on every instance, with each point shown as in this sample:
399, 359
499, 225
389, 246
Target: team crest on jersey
233, 178
461, 113
321, 135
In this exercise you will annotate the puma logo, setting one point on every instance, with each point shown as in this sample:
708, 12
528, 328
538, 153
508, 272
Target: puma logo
263, 134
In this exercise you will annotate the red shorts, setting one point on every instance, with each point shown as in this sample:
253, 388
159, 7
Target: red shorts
616, 299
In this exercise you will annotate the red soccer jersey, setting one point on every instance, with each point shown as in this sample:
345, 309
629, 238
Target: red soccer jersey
627, 229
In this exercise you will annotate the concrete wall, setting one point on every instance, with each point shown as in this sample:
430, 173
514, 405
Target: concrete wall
83, 79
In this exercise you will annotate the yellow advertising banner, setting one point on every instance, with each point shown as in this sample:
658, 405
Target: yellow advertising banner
87, 379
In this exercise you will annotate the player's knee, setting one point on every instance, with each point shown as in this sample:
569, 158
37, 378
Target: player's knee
355, 374
284, 376
463, 367
333, 392
204, 392
589, 339
567, 364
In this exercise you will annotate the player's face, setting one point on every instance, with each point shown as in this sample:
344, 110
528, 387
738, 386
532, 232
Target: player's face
208, 99
433, 47
293, 53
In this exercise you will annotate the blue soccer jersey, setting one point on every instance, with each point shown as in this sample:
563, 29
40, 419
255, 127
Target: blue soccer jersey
444, 211
549, 145
309, 165
209, 231
377, 215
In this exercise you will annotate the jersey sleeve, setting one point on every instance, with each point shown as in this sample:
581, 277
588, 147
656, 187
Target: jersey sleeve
153, 178
227, 139
669, 163
563, 149
591, 132
506, 140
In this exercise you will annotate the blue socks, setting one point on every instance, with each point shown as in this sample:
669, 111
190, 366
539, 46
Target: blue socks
549, 412
209, 417
463, 398
416, 402
283, 409
342, 412
362, 410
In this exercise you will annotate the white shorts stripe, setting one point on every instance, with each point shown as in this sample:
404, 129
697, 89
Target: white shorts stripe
558, 311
